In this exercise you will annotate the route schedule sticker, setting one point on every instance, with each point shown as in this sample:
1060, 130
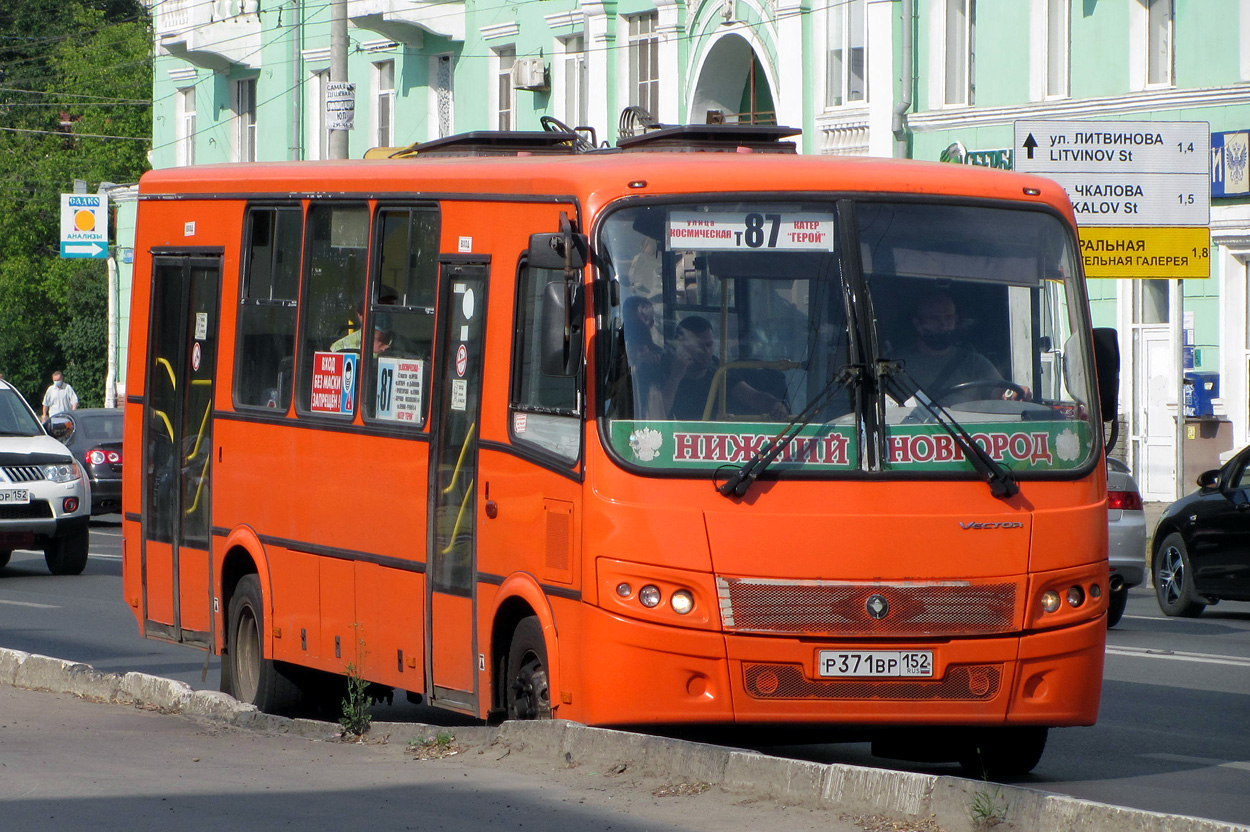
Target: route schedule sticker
400, 395
761, 230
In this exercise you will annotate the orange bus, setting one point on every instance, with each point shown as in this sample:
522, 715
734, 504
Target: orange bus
692, 430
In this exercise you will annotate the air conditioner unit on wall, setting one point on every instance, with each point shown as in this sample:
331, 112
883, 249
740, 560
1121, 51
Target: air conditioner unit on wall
529, 74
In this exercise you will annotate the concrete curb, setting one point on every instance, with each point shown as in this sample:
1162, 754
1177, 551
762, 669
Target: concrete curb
842, 788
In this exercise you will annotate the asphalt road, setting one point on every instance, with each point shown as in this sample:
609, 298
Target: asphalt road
1173, 732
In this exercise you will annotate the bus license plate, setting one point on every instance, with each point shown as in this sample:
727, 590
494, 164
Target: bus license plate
14, 496
875, 663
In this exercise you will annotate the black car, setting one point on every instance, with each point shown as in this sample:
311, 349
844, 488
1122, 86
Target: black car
1201, 549
94, 436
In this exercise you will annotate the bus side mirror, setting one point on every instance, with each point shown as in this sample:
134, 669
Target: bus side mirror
1107, 369
561, 335
560, 251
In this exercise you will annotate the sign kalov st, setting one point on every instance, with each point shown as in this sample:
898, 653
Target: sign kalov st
1146, 173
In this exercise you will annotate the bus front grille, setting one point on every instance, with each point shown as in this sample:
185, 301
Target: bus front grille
830, 608
786, 681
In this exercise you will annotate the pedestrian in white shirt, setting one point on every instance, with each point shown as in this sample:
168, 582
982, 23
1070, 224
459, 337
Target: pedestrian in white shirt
59, 398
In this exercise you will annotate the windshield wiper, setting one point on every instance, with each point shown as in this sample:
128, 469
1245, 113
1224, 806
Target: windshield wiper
1002, 484
740, 481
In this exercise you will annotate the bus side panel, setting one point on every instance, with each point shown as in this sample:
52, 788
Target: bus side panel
194, 594
294, 607
389, 610
342, 636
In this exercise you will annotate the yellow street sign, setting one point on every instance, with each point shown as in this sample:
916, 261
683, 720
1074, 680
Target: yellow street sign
1146, 251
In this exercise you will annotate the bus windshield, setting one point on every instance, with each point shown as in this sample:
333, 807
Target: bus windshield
735, 317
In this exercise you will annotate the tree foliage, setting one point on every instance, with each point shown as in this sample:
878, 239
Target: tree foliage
69, 74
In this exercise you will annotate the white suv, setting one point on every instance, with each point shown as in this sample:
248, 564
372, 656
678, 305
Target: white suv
45, 501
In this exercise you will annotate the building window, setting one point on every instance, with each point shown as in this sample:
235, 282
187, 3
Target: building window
184, 148
644, 63
848, 38
576, 100
384, 103
245, 120
318, 133
960, 29
1058, 37
1159, 42
506, 58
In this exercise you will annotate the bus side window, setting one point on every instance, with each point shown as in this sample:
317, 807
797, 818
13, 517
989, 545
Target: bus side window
337, 245
265, 350
401, 315
544, 412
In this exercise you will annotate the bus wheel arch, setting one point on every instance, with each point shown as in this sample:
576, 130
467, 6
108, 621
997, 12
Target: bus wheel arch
244, 556
522, 619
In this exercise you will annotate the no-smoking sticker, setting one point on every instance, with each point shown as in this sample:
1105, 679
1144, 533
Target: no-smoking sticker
195, 356
462, 360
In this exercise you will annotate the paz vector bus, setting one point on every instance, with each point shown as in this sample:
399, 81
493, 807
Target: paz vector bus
693, 430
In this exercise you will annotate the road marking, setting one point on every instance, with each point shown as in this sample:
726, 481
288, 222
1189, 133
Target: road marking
105, 557
30, 604
1204, 658
1203, 761
95, 532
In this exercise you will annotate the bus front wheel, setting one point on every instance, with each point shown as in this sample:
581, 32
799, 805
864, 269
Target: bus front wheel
255, 680
528, 693
1003, 752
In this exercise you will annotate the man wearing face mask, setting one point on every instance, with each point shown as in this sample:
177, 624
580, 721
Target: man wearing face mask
934, 359
59, 398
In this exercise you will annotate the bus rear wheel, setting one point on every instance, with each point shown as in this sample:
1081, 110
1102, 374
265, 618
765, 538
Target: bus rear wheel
1003, 752
527, 693
254, 679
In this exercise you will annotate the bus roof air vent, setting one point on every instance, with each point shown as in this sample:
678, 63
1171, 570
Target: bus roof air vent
722, 138
494, 143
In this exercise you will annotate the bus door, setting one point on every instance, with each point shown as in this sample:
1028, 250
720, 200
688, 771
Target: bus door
178, 448
451, 646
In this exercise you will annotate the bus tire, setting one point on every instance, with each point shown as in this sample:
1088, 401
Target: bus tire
1174, 580
67, 555
527, 692
1003, 752
255, 679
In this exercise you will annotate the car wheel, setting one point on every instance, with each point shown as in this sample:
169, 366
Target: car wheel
1116, 602
67, 555
528, 694
1003, 752
255, 680
1173, 578
5, 554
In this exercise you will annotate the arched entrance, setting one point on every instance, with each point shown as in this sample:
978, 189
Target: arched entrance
733, 85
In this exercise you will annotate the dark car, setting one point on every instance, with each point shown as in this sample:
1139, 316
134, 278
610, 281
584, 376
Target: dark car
94, 436
1201, 549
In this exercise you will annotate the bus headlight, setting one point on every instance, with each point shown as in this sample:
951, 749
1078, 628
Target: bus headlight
624, 590
682, 602
649, 596
1076, 596
1050, 601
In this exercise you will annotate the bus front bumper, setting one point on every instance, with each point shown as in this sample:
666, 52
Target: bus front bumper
644, 673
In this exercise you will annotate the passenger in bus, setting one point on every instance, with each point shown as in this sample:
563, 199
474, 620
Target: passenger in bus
691, 366
352, 340
935, 360
644, 275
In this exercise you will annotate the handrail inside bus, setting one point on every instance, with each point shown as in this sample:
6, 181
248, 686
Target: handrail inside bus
455, 529
464, 449
199, 489
199, 437
168, 425
169, 369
